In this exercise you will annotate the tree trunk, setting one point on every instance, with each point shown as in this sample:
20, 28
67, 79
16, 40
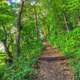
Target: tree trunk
10, 57
36, 23
78, 21
66, 23
19, 28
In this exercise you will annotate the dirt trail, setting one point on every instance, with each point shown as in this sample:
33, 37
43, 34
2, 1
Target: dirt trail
53, 65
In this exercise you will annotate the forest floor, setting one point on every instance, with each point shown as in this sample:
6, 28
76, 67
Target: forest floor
53, 65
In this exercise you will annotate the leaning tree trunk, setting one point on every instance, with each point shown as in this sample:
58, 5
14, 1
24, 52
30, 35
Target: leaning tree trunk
6, 46
10, 57
66, 24
18, 33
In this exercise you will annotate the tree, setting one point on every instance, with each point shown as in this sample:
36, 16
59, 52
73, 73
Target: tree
6, 16
19, 26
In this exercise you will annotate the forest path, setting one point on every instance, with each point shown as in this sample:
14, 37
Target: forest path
53, 65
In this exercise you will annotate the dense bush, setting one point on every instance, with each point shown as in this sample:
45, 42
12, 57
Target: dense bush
24, 66
20, 70
69, 44
3, 59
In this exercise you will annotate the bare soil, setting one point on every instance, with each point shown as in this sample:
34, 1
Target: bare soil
53, 65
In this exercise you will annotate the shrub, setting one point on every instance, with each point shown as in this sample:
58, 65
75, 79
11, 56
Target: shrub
69, 44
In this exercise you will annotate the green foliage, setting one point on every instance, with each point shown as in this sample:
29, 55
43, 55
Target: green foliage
23, 67
55, 17
19, 70
3, 58
69, 44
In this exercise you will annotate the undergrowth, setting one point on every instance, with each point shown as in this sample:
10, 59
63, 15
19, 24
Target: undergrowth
24, 66
69, 44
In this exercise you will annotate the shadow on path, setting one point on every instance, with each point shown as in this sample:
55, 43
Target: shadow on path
53, 58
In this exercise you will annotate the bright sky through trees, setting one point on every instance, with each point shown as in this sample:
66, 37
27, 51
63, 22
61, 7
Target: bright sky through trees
11, 1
